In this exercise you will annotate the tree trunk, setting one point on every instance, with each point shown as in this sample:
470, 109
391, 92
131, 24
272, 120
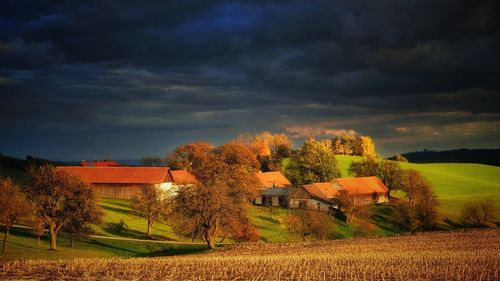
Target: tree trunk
208, 239
53, 241
210, 243
71, 243
148, 233
4, 243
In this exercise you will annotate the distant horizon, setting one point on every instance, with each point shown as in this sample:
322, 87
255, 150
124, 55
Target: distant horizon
138, 159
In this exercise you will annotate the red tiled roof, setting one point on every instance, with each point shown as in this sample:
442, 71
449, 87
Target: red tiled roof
101, 163
272, 179
183, 177
130, 175
323, 190
363, 185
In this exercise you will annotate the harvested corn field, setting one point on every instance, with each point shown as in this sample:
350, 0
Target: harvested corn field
464, 255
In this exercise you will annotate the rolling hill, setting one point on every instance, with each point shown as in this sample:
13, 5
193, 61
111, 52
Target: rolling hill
454, 184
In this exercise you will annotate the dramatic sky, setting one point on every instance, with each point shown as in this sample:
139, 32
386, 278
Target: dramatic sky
124, 79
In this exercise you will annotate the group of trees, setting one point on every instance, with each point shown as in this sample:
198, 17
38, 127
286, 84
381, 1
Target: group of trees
53, 199
314, 162
350, 145
421, 212
269, 148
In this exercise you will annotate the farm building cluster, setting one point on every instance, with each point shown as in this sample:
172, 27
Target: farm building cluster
112, 180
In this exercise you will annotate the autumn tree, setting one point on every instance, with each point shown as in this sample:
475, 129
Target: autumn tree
415, 186
13, 205
391, 174
189, 156
238, 165
269, 148
37, 228
58, 197
421, 213
351, 208
150, 203
365, 147
305, 222
216, 206
344, 145
367, 167
313, 163
83, 214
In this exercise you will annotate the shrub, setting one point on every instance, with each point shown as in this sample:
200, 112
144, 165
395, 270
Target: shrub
248, 234
120, 227
479, 214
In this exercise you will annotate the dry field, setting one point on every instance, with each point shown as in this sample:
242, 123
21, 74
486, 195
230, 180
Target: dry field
466, 255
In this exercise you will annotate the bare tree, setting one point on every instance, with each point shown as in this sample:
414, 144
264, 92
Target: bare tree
13, 205
150, 204
415, 186
481, 213
56, 195
217, 206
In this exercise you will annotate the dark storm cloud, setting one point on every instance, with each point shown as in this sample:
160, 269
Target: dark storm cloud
165, 72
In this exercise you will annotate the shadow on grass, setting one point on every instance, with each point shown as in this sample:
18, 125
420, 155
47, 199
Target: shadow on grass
176, 250
382, 218
110, 246
122, 203
110, 228
271, 220
452, 224
118, 210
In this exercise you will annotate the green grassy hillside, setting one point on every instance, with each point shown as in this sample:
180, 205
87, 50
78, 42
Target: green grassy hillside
454, 183
15, 175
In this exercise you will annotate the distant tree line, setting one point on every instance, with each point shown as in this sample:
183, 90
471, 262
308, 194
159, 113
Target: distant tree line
24, 164
481, 156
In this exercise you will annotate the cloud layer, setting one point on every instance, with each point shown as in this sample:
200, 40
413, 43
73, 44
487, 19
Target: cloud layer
123, 79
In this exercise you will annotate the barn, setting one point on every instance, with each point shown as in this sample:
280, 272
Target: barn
121, 182
274, 189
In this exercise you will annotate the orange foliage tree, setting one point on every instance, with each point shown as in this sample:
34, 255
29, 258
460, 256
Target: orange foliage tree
13, 205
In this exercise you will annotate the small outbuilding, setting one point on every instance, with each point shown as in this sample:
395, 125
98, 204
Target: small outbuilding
365, 189
318, 196
275, 189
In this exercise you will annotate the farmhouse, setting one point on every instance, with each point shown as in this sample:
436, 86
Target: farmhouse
275, 188
323, 195
121, 182
319, 196
365, 189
